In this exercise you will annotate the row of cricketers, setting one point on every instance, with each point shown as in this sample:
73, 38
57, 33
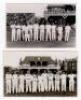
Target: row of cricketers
40, 32
33, 83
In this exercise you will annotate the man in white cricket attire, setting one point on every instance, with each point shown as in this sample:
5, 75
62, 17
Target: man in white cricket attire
8, 81
30, 29
57, 81
60, 32
28, 79
27, 35
48, 31
18, 27
50, 81
67, 32
36, 31
13, 32
53, 31
15, 83
42, 32
63, 78
40, 83
71, 82
45, 82
23, 32
34, 83
21, 82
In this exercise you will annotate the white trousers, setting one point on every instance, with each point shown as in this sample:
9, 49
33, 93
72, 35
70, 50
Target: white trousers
13, 35
31, 35
21, 87
71, 86
57, 86
18, 35
15, 87
51, 85
41, 35
34, 87
27, 37
53, 35
63, 86
45, 85
8, 86
36, 35
40, 87
67, 33
48, 35
60, 35
23, 35
28, 86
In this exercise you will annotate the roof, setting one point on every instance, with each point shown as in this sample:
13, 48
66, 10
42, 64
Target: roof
28, 59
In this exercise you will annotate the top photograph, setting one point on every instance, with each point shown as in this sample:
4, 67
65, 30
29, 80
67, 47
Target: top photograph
38, 25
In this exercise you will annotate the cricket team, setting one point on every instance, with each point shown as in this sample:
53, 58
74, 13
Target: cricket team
39, 83
42, 32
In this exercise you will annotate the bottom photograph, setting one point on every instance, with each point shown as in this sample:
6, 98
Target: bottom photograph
40, 73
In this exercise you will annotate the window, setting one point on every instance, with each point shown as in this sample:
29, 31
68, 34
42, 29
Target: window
32, 63
44, 63
38, 63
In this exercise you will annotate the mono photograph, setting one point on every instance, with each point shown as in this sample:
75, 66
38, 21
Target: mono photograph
40, 73
40, 25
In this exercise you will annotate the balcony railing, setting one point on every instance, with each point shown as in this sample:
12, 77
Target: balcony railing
40, 67
53, 13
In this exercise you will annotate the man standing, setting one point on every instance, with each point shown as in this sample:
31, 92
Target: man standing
71, 82
57, 82
63, 81
42, 32
23, 32
67, 32
50, 81
44, 79
18, 27
48, 31
40, 83
27, 35
28, 79
30, 30
8, 81
53, 31
13, 31
60, 32
21, 82
15, 82
36, 31
34, 83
